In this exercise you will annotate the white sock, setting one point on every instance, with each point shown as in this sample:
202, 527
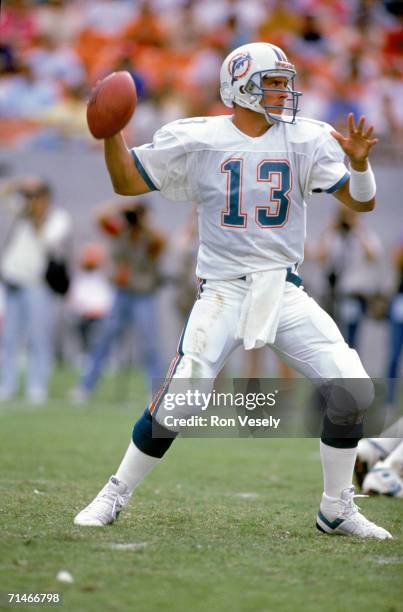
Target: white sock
395, 459
338, 466
135, 466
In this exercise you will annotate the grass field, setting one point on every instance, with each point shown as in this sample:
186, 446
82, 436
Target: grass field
219, 525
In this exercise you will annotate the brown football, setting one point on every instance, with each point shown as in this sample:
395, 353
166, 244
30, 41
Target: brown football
111, 104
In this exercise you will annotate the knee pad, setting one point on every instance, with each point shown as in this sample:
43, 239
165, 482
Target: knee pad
345, 403
150, 437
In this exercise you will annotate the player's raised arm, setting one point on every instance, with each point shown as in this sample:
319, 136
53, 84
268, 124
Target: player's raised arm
358, 193
126, 179
110, 107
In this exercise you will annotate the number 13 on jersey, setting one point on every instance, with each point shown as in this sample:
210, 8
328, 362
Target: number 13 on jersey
272, 214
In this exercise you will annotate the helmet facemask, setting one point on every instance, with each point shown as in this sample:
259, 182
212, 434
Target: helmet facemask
256, 89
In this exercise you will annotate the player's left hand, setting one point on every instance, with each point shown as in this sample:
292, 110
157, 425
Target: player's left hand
358, 142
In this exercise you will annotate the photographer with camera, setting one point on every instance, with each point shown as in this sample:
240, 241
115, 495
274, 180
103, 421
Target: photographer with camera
351, 254
135, 254
33, 268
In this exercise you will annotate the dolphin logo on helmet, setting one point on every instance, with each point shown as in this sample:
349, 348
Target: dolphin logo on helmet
239, 65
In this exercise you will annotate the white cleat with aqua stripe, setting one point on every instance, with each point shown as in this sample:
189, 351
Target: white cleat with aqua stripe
342, 517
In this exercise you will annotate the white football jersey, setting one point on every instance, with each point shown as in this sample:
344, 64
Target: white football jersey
250, 192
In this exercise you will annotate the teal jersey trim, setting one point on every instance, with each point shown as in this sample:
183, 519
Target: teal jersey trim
144, 175
293, 278
339, 183
290, 278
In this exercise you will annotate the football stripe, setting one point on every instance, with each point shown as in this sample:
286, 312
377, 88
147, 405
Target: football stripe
331, 524
171, 372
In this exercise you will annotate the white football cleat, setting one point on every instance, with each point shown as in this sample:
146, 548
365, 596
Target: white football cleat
342, 517
382, 480
106, 506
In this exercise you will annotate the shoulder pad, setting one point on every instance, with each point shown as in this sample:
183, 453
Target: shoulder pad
194, 131
308, 130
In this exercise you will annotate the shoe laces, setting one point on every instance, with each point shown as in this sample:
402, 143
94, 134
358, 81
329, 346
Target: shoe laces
119, 503
107, 496
349, 506
358, 522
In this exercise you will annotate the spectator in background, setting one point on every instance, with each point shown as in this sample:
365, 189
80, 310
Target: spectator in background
64, 122
107, 16
2, 307
146, 28
90, 297
311, 42
351, 253
52, 60
384, 100
18, 24
23, 95
65, 18
396, 328
136, 250
278, 22
187, 286
344, 100
211, 14
38, 231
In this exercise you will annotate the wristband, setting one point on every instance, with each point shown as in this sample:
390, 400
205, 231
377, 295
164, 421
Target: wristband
362, 185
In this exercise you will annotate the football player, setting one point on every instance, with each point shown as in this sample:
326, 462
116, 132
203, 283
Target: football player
379, 464
385, 476
250, 175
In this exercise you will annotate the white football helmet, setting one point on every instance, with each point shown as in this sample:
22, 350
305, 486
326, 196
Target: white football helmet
241, 80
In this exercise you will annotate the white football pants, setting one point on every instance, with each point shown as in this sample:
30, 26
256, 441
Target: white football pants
307, 338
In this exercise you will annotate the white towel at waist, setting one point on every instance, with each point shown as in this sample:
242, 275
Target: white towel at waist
260, 310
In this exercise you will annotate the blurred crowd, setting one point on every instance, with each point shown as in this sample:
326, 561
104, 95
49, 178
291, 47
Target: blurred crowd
348, 54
